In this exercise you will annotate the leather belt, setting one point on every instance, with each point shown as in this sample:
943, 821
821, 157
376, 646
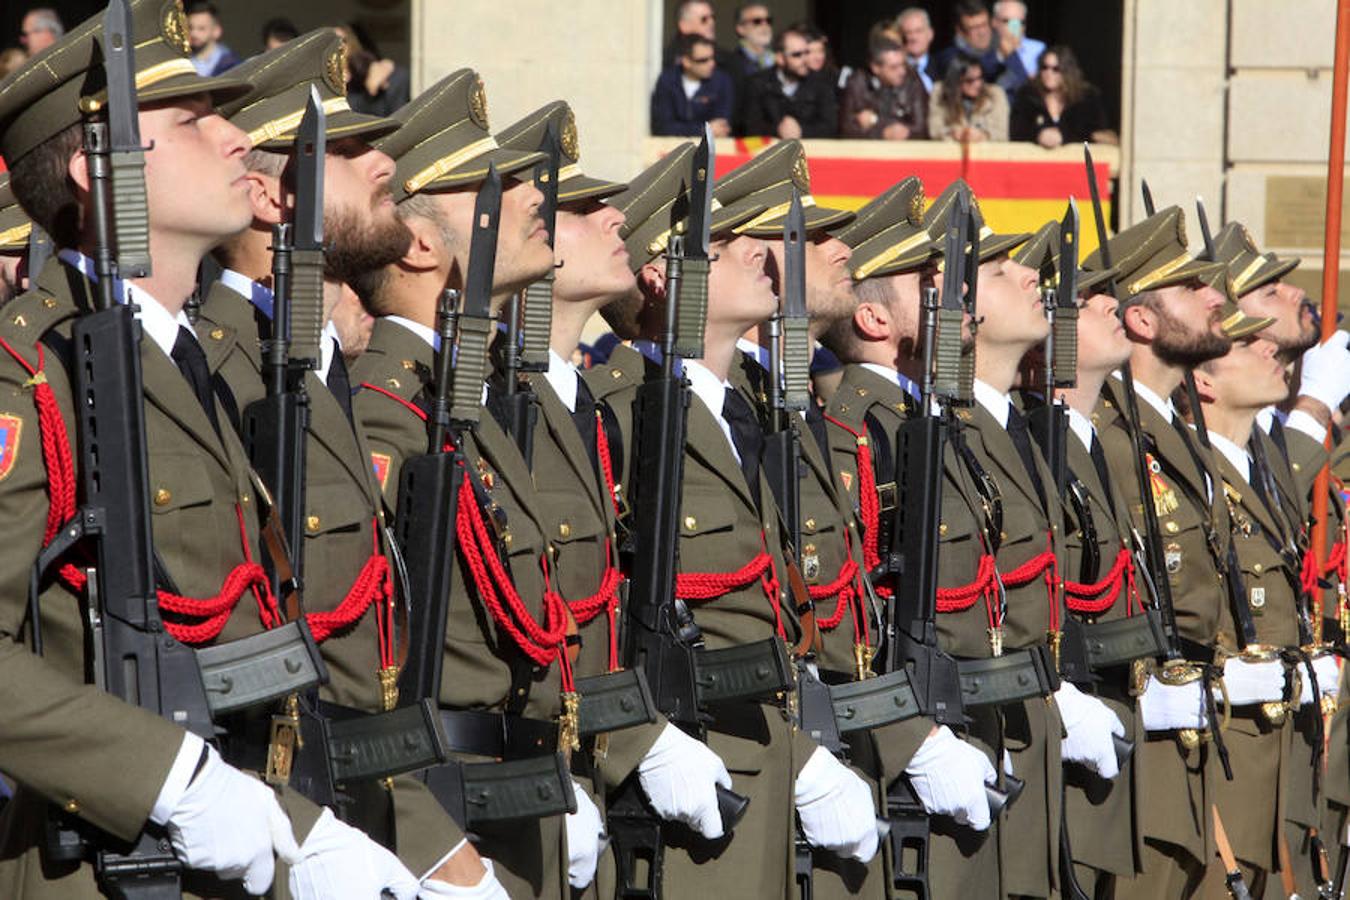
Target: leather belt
1018, 675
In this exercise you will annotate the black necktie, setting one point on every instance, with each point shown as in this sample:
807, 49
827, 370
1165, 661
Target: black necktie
746, 435
191, 361
1103, 474
1017, 430
338, 382
583, 414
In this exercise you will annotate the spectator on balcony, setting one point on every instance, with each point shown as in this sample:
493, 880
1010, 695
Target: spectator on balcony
692, 91
789, 100
696, 17
278, 31
754, 48
819, 56
886, 101
1015, 52
965, 107
375, 86
916, 33
40, 29
1058, 106
974, 38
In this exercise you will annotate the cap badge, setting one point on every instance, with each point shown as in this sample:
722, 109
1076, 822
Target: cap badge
335, 69
567, 141
174, 27
478, 110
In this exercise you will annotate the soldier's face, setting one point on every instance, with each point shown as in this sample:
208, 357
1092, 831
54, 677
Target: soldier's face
1010, 303
1249, 376
195, 180
1293, 330
523, 253
930, 274
594, 259
1188, 324
361, 227
740, 291
1102, 342
829, 285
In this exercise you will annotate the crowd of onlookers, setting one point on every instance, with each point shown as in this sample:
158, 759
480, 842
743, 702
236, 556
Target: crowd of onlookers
374, 85
992, 83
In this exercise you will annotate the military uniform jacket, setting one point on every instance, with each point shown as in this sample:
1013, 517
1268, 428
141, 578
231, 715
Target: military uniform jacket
64, 740
721, 531
389, 378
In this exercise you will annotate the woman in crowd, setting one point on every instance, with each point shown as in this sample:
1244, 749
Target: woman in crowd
1058, 106
966, 108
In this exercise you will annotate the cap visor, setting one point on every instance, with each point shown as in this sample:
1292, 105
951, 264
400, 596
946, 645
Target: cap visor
995, 244
1089, 280
472, 171
344, 124
222, 88
818, 218
1239, 325
584, 187
1271, 271
1214, 274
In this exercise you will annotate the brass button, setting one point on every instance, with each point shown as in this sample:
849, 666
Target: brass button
1172, 527
162, 497
71, 806
312, 524
809, 549
409, 365
690, 523
245, 499
942, 528
564, 530
615, 374
1256, 567
862, 392
1002, 536
21, 321
810, 524
394, 383
506, 537
49, 302
217, 334
1297, 467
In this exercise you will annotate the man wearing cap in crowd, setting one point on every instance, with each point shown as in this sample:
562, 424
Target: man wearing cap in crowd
1097, 568
1174, 317
730, 525
576, 483
442, 154
342, 503
1291, 444
62, 738
15, 229
881, 348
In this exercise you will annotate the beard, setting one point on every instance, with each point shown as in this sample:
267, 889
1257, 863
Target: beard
1176, 346
1290, 349
356, 247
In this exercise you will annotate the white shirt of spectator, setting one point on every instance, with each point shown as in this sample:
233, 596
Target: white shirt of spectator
691, 86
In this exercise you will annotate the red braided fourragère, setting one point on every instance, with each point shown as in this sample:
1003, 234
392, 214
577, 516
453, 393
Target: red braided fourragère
1097, 597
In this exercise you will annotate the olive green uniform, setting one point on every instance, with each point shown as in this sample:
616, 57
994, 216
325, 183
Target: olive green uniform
531, 856
109, 761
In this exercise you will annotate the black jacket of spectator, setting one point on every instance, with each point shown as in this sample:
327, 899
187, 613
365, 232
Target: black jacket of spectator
391, 97
906, 104
1076, 123
813, 105
674, 113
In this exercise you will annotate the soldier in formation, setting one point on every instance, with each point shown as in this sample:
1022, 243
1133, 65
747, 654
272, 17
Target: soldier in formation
1031, 607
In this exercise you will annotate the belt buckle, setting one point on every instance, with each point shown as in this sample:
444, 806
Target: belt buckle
886, 496
282, 743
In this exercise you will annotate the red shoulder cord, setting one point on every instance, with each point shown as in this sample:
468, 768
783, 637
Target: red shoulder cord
847, 587
606, 596
703, 586
1098, 596
542, 644
213, 612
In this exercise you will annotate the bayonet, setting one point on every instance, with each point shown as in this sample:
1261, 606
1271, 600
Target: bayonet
306, 318
693, 302
538, 314
126, 155
475, 319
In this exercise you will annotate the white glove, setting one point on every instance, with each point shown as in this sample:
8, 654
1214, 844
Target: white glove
340, 861
584, 830
1326, 371
1166, 707
1088, 726
949, 776
1328, 679
229, 823
680, 776
1252, 682
487, 888
836, 807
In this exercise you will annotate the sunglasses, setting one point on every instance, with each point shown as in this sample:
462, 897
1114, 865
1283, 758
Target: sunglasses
797, 54
700, 60
1049, 67
758, 20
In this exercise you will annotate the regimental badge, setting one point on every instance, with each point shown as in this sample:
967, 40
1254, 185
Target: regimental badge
379, 462
801, 175
1165, 500
567, 141
173, 26
1247, 239
810, 564
478, 104
916, 202
11, 428
335, 69
1258, 601
847, 479
1181, 231
1172, 557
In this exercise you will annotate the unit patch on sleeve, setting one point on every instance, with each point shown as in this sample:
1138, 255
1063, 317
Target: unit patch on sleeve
380, 463
11, 428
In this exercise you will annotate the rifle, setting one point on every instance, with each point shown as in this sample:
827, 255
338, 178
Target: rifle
527, 343
1150, 546
659, 633
39, 251
134, 657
